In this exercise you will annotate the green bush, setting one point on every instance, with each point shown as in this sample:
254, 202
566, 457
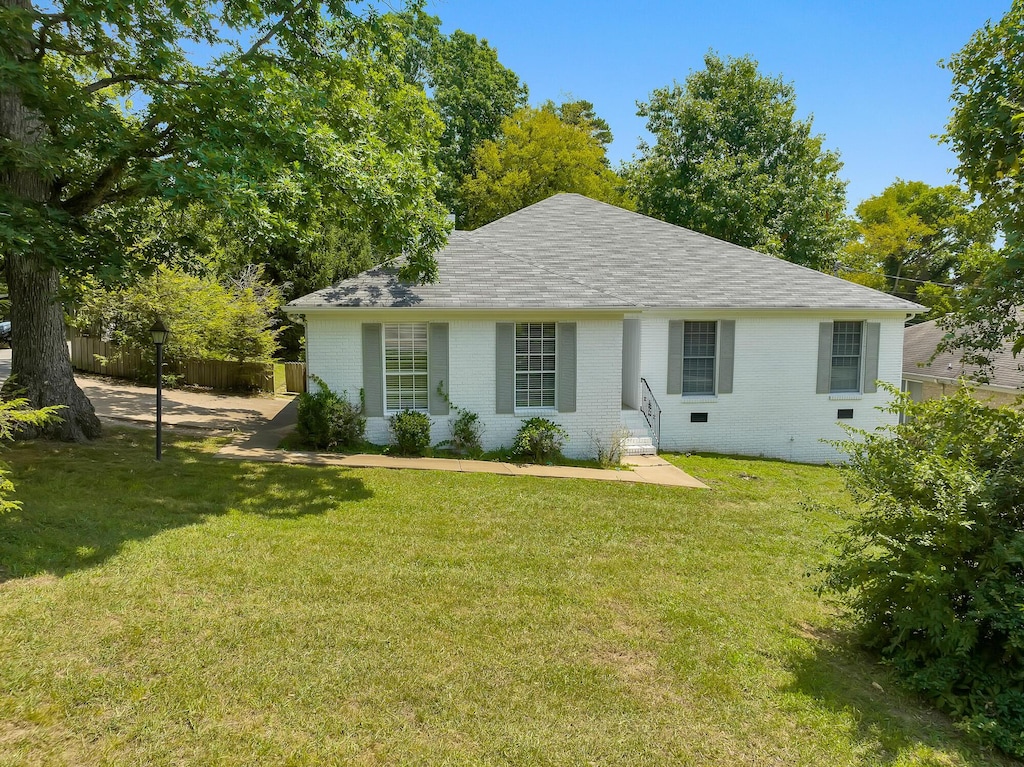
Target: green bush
466, 432
327, 420
539, 440
465, 427
932, 570
17, 418
229, 320
410, 432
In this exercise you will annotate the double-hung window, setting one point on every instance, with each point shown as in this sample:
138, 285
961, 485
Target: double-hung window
846, 354
699, 358
535, 364
405, 366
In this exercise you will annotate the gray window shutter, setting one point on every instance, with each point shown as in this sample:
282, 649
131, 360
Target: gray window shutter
675, 357
504, 360
726, 353
437, 367
873, 332
565, 348
824, 357
373, 369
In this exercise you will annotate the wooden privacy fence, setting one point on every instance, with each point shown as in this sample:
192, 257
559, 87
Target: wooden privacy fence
94, 355
295, 376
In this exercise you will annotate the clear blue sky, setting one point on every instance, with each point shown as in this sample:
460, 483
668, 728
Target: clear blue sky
867, 71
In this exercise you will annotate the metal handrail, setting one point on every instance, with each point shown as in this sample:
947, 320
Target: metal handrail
651, 410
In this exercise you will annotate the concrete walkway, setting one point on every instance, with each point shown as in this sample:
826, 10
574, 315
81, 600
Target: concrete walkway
261, 422
648, 470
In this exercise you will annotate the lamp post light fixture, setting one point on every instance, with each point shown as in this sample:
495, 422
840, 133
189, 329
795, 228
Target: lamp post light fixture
160, 333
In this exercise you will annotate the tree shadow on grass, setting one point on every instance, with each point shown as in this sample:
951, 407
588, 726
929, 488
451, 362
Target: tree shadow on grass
890, 722
82, 503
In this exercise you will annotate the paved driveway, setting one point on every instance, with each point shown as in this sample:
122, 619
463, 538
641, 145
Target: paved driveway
118, 401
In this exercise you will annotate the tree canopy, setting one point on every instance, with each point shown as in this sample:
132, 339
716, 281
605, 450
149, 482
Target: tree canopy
267, 113
580, 114
731, 159
918, 241
986, 131
536, 156
469, 88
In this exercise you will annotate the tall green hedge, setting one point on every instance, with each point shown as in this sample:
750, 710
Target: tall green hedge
933, 568
208, 319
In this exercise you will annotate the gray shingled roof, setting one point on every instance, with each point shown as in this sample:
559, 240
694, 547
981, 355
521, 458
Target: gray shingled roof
571, 252
920, 342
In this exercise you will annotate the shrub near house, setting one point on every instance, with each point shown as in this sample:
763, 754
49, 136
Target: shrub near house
933, 570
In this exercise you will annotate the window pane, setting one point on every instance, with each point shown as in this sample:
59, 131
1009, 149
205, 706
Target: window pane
846, 342
699, 376
535, 364
699, 357
405, 366
699, 339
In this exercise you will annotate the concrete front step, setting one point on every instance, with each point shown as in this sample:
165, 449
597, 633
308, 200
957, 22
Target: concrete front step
639, 450
633, 441
638, 439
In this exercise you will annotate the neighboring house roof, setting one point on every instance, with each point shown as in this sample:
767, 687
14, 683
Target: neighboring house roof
571, 252
920, 343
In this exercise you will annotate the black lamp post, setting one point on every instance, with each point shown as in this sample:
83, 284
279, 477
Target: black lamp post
160, 333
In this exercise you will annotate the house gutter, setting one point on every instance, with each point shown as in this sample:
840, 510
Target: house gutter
945, 381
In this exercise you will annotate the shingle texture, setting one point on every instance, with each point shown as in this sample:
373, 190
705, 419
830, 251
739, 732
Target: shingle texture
920, 342
571, 252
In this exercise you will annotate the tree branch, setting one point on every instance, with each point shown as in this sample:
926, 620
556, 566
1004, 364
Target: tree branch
272, 32
89, 199
132, 77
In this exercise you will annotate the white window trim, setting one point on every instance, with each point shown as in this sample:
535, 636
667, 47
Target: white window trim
695, 397
532, 410
851, 394
384, 368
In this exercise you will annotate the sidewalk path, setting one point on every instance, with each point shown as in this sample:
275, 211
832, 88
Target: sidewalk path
647, 470
261, 422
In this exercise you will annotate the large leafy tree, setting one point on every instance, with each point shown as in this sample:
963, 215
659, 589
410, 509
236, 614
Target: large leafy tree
536, 156
986, 131
268, 112
920, 240
731, 159
580, 113
473, 92
470, 89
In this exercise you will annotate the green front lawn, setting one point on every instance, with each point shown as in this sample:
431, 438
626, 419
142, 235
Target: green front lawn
212, 612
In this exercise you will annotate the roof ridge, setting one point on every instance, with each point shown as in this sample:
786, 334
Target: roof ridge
778, 259
674, 229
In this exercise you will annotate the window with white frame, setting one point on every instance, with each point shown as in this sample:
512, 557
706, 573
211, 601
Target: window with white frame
405, 366
535, 364
699, 357
846, 352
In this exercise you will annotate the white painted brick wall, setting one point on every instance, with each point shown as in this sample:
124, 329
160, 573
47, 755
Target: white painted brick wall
773, 411
334, 352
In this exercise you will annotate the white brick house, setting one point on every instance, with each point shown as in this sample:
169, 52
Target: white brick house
599, 319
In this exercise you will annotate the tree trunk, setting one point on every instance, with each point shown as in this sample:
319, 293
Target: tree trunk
40, 365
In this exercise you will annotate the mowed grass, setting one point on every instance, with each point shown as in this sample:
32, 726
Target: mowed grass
205, 611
